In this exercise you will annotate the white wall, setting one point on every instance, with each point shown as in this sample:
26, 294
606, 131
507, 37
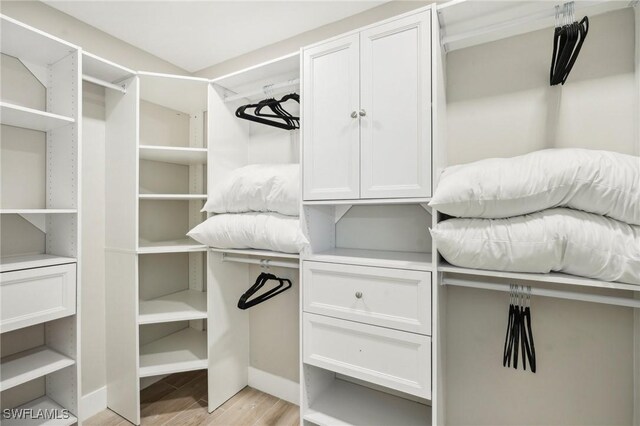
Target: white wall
500, 104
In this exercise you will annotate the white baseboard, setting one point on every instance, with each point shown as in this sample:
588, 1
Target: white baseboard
274, 385
93, 402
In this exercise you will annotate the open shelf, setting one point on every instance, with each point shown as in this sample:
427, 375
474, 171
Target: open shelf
29, 118
30, 364
185, 350
103, 69
173, 246
42, 405
180, 306
15, 263
30, 44
380, 258
553, 277
345, 403
175, 155
257, 253
177, 197
38, 211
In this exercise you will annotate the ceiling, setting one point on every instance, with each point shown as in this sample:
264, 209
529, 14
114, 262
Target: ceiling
196, 34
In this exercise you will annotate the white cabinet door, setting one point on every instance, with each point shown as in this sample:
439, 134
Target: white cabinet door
396, 107
331, 138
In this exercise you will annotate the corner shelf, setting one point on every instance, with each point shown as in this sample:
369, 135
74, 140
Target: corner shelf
177, 197
184, 350
173, 246
38, 211
177, 155
345, 403
29, 365
378, 258
42, 404
180, 306
29, 118
15, 263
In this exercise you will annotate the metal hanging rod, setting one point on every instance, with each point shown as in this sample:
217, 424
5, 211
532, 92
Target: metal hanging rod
262, 262
264, 90
558, 294
104, 83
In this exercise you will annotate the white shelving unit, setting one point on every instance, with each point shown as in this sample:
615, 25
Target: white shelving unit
40, 237
156, 183
43, 404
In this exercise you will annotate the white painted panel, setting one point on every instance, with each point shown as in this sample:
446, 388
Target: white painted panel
391, 358
394, 298
36, 295
330, 134
396, 108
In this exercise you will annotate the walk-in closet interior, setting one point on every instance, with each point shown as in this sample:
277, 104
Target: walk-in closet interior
320, 213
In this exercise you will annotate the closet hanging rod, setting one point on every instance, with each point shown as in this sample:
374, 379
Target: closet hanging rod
261, 262
558, 294
549, 13
103, 83
264, 90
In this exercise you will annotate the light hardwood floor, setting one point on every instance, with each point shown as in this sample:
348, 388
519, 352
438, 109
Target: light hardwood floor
180, 399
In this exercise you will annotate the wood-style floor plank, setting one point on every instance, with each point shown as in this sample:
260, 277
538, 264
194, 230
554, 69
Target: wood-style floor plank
180, 399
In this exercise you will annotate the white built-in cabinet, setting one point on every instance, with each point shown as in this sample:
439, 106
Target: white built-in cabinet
367, 113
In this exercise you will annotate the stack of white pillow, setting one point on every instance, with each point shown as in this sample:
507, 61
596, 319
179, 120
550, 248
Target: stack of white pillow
257, 207
571, 210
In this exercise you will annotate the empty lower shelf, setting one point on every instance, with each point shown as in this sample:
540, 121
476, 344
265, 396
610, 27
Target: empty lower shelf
17, 263
380, 258
29, 118
47, 407
173, 154
38, 211
181, 306
184, 350
173, 246
345, 403
31, 364
176, 197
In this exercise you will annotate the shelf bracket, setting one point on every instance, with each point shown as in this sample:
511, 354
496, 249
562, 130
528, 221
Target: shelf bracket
426, 207
340, 211
38, 71
37, 220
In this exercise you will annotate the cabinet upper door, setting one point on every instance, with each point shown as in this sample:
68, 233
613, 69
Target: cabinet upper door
396, 108
331, 134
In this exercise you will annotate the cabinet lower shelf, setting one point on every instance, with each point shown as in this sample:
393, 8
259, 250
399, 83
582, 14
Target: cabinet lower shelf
31, 364
44, 412
180, 306
345, 403
184, 350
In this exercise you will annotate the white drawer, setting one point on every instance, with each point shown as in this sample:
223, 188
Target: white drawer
391, 358
394, 298
33, 296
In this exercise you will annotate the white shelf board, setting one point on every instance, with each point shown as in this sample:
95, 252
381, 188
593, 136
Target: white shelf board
29, 118
180, 306
184, 350
38, 211
177, 197
345, 403
30, 44
103, 69
16, 263
173, 246
257, 253
30, 364
173, 154
379, 258
369, 202
553, 277
42, 404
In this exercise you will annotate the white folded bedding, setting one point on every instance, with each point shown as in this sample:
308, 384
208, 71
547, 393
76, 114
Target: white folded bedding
258, 188
561, 239
601, 182
266, 231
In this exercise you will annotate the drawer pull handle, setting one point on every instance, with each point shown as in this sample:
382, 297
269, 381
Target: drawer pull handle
358, 295
354, 114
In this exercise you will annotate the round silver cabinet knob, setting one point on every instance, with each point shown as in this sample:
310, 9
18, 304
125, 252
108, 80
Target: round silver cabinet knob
358, 295
363, 113
354, 114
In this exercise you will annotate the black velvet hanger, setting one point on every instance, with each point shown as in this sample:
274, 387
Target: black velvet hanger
283, 285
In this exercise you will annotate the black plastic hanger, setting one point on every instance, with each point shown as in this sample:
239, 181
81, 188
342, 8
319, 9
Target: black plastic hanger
288, 121
283, 285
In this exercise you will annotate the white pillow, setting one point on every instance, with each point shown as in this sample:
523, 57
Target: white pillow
266, 231
258, 188
565, 240
601, 182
